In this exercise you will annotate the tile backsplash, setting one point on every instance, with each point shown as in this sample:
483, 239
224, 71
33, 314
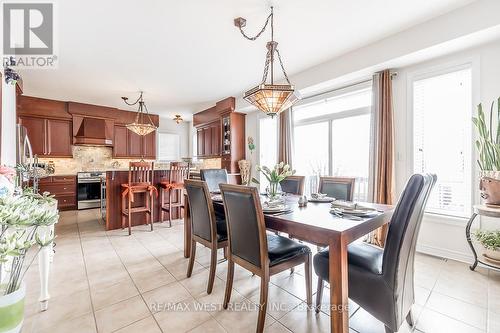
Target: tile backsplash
89, 159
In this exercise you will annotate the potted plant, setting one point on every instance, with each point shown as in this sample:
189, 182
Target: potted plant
488, 147
274, 176
21, 219
490, 240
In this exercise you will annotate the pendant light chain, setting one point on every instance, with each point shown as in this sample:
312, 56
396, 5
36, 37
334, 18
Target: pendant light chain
240, 26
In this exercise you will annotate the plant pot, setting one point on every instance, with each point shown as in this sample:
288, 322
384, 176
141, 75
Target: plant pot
12, 311
490, 187
492, 254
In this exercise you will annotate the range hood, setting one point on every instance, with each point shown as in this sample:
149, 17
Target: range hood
92, 131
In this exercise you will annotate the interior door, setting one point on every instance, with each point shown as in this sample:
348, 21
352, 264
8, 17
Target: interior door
59, 135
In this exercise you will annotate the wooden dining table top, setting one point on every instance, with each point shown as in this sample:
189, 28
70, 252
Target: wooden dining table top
315, 222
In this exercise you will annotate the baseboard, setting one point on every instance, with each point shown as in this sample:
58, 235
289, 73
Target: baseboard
445, 253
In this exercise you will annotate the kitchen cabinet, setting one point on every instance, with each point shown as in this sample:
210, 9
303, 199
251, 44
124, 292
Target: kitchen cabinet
127, 144
48, 137
200, 140
63, 188
208, 140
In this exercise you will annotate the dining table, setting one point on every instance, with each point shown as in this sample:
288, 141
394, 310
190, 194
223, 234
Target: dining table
316, 224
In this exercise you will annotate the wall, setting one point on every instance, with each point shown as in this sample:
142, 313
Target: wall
183, 129
8, 131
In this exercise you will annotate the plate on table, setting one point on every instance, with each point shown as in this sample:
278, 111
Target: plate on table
322, 199
275, 208
215, 192
358, 211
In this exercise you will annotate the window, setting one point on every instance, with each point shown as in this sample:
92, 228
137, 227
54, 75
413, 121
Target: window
168, 147
332, 137
442, 105
268, 145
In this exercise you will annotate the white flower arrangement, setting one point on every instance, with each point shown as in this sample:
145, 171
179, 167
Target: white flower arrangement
20, 218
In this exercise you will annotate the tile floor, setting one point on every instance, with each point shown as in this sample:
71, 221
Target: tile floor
110, 282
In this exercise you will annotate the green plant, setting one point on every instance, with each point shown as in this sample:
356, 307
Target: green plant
489, 239
488, 144
275, 175
20, 219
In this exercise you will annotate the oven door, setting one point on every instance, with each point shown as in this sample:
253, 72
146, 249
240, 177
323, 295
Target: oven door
89, 193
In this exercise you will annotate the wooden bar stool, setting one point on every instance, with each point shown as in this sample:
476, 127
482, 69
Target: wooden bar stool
178, 172
140, 180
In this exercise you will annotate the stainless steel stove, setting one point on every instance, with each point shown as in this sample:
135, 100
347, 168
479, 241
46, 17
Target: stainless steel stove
90, 191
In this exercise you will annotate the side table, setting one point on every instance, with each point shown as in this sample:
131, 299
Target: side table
481, 210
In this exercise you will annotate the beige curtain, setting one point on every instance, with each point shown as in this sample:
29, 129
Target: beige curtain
382, 152
285, 137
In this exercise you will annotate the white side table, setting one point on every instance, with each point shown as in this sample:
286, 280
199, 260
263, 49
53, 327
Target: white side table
481, 210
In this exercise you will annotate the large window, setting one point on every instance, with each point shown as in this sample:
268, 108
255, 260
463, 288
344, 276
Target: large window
442, 104
168, 148
332, 138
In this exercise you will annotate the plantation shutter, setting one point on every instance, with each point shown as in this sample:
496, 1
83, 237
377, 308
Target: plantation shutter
442, 114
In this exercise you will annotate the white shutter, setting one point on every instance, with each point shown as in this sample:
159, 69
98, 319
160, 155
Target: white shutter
168, 147
441, 138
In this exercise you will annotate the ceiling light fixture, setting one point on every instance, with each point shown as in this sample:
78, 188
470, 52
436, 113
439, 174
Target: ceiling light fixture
143, 125
270, 98
178, 119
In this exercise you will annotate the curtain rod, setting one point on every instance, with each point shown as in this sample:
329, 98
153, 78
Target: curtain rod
337, 89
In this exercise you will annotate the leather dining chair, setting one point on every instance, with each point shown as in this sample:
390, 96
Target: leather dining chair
340, 188
214, 177
206, 228
293, 185
252, 248
381, 280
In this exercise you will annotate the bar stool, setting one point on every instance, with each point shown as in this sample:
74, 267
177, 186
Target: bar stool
140, 180
175, 184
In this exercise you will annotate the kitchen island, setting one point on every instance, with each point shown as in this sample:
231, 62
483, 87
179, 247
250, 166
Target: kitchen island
114, 180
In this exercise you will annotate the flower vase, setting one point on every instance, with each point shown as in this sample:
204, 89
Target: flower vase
273, 191
245, 171
12, 311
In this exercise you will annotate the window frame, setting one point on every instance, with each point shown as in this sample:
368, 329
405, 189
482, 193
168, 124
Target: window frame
433, 71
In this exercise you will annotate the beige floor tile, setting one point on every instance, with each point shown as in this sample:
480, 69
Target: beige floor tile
459, 310
276, 327
197, 283
121, 314
146, 281
179, 270
493, 323
104, 295
182, 318
433, 322
157, 299
421, 295
83, 324
294, 284
279, 301
364, 322
146, 325
64, 308
301, 320
210, 326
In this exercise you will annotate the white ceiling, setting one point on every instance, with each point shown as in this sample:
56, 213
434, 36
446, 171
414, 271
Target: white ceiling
187, 54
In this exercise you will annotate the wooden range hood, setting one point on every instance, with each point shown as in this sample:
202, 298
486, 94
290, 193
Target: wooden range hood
92, 131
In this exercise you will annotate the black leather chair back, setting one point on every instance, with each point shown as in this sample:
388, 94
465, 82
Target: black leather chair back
293, 185
399, 251
214, 177
337, 187
245, 223
201, 209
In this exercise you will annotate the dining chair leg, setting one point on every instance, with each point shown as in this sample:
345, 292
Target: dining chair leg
319, 294
225, 252
308, 272
151, 210
264, 288
213, 265
191, 259
229, 282
409, 319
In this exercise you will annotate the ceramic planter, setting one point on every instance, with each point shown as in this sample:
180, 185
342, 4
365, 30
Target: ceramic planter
490, 187
12, 311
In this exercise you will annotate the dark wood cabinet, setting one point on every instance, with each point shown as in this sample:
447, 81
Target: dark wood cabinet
200, 140
120, 142
63, 188
209, 140
59, 134
216, 139
127, 144
48, 137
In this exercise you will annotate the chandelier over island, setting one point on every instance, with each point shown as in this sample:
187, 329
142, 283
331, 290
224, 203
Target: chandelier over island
270, 98
143, 124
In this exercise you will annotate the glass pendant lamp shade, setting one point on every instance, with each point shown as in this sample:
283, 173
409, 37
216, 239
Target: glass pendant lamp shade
141, 129
143, 124
272, 98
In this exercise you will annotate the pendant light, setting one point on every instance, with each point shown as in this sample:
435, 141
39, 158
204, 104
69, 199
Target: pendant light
270, 98
143, 124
